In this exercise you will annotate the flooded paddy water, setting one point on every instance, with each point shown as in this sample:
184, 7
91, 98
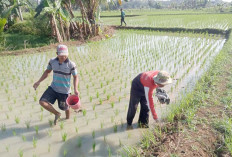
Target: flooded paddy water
105, 69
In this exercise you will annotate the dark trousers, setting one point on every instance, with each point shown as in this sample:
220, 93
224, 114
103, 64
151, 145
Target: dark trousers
137, 96
123, 20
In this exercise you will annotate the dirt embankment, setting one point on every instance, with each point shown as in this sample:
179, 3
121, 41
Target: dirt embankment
106, 32
198, 136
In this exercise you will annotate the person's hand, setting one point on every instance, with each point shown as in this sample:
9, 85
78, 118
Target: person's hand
157, 120
76, 92
36, 85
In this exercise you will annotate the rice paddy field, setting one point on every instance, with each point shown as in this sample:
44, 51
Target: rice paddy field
105, 70
175, 20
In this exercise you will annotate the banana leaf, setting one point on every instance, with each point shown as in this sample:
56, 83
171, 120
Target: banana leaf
2, 24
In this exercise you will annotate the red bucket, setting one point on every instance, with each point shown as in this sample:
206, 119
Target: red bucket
73, 101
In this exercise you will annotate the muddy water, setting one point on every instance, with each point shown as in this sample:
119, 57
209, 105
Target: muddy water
106, 69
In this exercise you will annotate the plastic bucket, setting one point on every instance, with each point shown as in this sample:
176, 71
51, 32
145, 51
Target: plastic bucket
73, 101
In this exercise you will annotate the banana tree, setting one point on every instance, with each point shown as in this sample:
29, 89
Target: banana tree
11, 8
52, 9
90, 11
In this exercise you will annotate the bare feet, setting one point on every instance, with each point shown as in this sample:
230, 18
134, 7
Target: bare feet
129, 127
56, 118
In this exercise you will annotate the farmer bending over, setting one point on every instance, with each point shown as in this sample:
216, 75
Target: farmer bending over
122, 17
142, 89
60, 87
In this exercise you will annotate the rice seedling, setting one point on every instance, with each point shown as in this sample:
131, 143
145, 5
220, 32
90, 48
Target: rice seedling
35, 98
102, 124
131, 151
14, 133
116, 112
108, 97
95, 115
7, 116
93, 134
100, 101
75, 118
109, 151
112, 104
49, 148
94, 106
148, 138
41, 109
119, 99
41, 117
79, 142
104, 91
17, 120
90, 98
61, 125
65, 152
36, 129
49, 133
76, 129
120, 143
50, 121
97, 94
84, 112
101, 84
115, 127
20, 152
93, 146
7, 148
24, 138
64, 136
34, 142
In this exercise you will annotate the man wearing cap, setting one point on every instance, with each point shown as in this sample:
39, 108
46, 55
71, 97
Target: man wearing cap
142, 89
59, 89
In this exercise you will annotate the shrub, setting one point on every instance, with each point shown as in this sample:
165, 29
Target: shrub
23, 28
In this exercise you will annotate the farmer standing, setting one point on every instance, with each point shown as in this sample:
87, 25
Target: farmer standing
59, 89
122, 17
142, 89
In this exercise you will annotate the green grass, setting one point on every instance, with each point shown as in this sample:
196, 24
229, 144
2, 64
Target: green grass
16, 41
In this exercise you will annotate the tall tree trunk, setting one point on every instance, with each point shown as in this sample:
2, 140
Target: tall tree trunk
67, 25
20, 12
62, 28
55, 28
82, 15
